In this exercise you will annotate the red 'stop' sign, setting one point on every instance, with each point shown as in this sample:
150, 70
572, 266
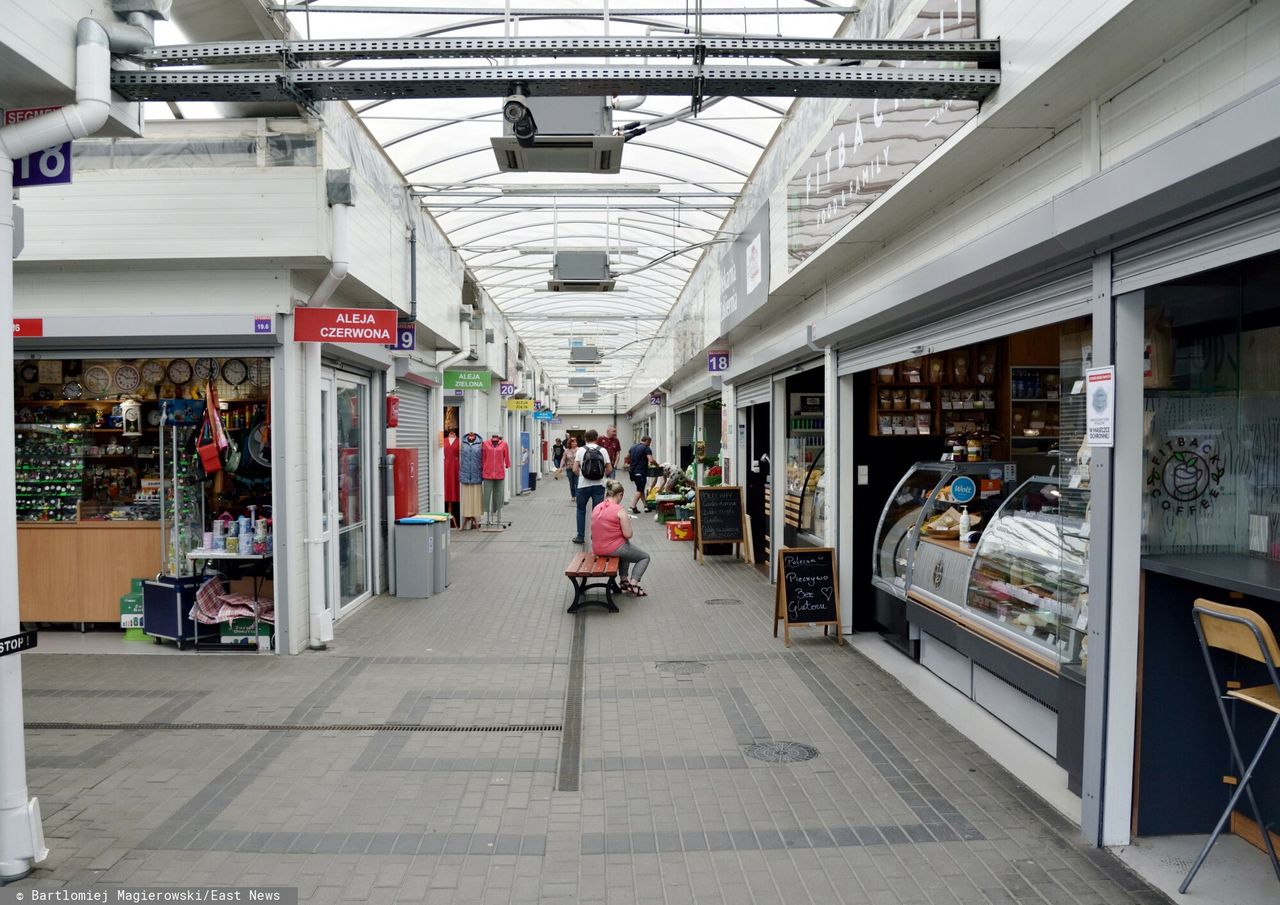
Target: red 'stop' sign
344, 325
28, 326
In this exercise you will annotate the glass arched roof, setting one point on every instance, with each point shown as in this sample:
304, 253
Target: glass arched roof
657, 216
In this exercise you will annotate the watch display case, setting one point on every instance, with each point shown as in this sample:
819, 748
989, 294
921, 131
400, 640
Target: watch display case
919, 545
1030, 576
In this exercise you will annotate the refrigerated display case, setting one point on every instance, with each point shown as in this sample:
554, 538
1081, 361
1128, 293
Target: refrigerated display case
918, 544
1030, 575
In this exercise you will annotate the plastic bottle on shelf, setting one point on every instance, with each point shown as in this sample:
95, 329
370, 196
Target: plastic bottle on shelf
966, 524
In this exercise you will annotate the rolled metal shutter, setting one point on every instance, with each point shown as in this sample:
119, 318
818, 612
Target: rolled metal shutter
757, 392
1242, 231
1059, 300
415, 431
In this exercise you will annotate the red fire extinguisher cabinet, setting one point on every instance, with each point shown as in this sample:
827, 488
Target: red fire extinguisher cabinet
405, 477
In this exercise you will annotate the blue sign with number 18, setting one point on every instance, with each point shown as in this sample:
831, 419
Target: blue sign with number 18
717, 361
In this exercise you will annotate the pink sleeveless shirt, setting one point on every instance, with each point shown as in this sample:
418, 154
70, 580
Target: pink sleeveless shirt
606, 530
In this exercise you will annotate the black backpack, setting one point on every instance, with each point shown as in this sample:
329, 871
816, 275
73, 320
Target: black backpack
593, 464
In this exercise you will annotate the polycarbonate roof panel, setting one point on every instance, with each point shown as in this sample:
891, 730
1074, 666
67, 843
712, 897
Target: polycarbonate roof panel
657, 216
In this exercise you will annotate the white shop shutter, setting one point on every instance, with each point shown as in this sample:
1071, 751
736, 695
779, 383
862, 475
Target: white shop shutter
1060, 300
415, 431
1242, 231
757, 392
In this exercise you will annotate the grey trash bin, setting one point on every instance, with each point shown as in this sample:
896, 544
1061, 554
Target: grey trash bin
415, 557
440, 535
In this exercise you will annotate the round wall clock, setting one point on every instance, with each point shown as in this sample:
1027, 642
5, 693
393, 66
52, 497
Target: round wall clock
152, 372
29, 373
127, 378
72, 390
234, 371
96, 379
206, 368
179, 370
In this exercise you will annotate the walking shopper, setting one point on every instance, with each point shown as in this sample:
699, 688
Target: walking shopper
611, 536
566, 466
641, 457
592, 466
612, 445
557, 452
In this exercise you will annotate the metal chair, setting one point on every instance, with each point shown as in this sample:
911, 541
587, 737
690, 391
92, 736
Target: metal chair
1244, 633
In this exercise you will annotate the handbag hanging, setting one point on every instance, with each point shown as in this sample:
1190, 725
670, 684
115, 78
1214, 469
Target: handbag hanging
207, 449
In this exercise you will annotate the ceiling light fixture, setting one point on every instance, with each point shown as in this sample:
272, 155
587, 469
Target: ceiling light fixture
628, 189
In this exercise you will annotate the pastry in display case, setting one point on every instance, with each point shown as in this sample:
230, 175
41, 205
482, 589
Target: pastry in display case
924, 540
1030, 575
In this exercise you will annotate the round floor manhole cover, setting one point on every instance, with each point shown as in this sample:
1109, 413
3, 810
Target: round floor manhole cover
781, 752
724, 601
681, 667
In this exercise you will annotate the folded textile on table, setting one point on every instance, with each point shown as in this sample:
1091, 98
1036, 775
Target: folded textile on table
214, 605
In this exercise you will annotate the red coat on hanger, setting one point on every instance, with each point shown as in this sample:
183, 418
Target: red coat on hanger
451, 449
495, 459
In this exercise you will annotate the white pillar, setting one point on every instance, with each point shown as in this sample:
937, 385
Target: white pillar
21, 836
321, 617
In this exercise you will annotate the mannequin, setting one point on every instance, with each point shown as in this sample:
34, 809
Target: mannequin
452, 458
469, 475
496, 459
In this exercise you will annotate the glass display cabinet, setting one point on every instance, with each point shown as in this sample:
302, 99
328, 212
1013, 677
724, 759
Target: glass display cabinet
1030, 575
919, 547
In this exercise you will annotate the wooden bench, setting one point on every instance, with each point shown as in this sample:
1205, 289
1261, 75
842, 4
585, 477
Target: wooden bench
586, 566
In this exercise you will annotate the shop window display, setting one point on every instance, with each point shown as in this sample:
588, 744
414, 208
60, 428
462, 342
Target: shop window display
806, 488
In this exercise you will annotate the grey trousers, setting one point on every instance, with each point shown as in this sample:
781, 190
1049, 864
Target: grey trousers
627, 554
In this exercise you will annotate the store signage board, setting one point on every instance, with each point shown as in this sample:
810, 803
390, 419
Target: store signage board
16, 644
51, 166
718, 516
875, 143
366, 326
506, 389
520, 405
718, 361
406, 337
1100, 406
468, 380
744, 272
807, 590
544, 416
655, 399
24, 327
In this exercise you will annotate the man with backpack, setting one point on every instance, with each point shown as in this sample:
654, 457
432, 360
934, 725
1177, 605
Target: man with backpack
592, 466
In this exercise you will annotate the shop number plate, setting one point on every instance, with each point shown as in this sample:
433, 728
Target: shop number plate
16, 644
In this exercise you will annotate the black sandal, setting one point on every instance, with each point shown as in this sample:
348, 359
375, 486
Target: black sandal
636, 590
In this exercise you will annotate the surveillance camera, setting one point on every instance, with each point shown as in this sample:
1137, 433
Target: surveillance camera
514, 109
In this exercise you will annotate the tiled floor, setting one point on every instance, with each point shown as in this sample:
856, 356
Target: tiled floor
484, 747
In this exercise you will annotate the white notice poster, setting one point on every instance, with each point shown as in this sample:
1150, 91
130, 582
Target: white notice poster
1100, 406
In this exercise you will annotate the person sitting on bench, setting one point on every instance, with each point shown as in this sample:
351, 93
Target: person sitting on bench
611, 536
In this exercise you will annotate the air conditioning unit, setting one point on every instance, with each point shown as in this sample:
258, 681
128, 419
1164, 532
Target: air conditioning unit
584, 355
572, 135
589, 397
580, 271
583, 381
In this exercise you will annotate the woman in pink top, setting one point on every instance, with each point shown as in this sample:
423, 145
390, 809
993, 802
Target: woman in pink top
611, 536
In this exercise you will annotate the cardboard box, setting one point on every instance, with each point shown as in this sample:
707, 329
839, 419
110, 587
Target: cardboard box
680, 530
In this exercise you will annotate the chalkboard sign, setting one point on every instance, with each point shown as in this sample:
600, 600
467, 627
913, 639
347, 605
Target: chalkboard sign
719, 515
807, 593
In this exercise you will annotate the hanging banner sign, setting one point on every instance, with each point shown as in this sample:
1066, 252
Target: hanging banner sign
24, 327
547, 415
468, 380
16, 644
52, 166
376, 326
1100, 406
520, 405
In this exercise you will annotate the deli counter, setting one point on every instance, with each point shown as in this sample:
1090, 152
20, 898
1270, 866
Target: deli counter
996, 607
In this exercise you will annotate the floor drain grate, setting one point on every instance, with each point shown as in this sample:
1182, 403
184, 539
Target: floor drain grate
781, 752
724, 601
681, 667
287, 727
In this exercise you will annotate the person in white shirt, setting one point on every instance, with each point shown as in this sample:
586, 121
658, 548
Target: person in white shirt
592, 466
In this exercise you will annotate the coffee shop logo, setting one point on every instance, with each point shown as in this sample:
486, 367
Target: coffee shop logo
1185, 476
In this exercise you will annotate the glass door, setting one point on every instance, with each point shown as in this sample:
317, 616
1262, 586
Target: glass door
349, 554
328, 496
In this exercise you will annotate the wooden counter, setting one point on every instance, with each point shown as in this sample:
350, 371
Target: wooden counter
77, 572
948, 543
